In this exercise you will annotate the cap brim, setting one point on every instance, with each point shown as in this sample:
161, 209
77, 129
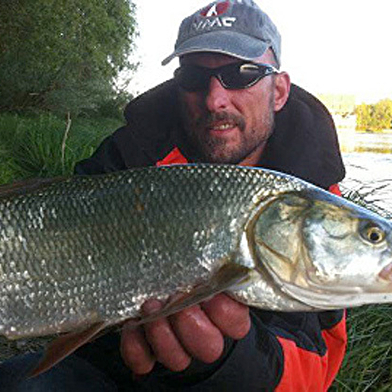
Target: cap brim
226, 42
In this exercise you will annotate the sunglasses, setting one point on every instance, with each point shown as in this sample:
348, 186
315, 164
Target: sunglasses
234, 76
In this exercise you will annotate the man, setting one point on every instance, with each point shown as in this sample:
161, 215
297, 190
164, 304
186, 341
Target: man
228, 103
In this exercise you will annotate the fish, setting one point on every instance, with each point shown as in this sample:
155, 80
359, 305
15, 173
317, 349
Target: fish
81, 254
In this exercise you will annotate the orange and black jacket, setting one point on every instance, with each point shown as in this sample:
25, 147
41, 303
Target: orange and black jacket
284, 351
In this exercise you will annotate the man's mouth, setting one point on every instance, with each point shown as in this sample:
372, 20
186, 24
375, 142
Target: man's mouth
221, 126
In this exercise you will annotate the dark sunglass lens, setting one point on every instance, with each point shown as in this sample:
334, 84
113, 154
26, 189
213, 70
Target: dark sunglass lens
232, 76
239, 76
191, 78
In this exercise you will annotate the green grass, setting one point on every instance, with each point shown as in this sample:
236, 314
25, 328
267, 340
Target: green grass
367, 365
39, 146
32, 146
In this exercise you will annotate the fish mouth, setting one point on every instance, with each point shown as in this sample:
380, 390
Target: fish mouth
386, 272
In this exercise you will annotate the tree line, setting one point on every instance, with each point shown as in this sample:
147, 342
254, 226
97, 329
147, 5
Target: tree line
375, 117
64, 55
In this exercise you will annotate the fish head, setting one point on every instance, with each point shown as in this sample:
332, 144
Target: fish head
324, 251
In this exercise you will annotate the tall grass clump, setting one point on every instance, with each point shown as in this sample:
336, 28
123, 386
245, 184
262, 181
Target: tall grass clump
367, 365
45, 145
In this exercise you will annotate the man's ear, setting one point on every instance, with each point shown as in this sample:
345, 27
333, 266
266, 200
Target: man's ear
282, 90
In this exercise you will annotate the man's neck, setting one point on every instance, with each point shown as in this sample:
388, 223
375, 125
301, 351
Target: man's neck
254, 157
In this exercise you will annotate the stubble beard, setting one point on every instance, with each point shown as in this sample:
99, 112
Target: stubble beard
215, 149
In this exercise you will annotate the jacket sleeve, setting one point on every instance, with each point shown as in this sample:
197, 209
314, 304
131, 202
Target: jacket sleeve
312, 352
119, 151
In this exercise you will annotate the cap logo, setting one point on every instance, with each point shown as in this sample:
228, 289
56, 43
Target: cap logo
217, 9
212, 11
212, 17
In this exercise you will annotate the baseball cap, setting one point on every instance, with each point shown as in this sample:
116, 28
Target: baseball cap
238, 28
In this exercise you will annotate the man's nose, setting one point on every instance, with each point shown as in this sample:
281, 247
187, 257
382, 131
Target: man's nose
217, 97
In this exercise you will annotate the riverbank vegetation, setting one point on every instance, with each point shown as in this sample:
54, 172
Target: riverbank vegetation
46, 145
59, 91
367, 365
376, 117
64, 56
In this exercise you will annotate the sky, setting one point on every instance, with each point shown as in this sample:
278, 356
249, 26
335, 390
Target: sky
328, 47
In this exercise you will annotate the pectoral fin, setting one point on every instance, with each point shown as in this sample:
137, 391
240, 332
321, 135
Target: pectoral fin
228, 276
65, 345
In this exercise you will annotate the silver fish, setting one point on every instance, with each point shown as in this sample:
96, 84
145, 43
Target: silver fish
86, 252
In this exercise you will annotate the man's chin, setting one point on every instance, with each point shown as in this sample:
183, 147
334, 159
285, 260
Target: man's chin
221, 158
218, 150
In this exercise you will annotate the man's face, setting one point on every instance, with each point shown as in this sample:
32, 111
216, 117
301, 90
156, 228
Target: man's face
228, 126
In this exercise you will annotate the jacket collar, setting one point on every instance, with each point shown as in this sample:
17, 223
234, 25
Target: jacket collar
304, 142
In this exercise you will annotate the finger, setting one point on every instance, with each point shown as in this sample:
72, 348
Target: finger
198, 335
135, 350
163, 341
231, 317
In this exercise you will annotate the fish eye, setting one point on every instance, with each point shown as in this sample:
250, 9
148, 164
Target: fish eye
373, 233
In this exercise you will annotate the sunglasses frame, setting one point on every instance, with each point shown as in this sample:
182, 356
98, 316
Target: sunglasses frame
264, 69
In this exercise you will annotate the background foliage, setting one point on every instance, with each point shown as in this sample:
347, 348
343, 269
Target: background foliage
63, 55
376, 117
44, 145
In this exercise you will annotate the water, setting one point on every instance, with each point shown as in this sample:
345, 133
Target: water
351, 141
370, 174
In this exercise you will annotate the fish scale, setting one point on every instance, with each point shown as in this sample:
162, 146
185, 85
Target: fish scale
92, 239
87, 249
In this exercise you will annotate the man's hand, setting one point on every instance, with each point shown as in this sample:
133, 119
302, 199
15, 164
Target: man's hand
196, 332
